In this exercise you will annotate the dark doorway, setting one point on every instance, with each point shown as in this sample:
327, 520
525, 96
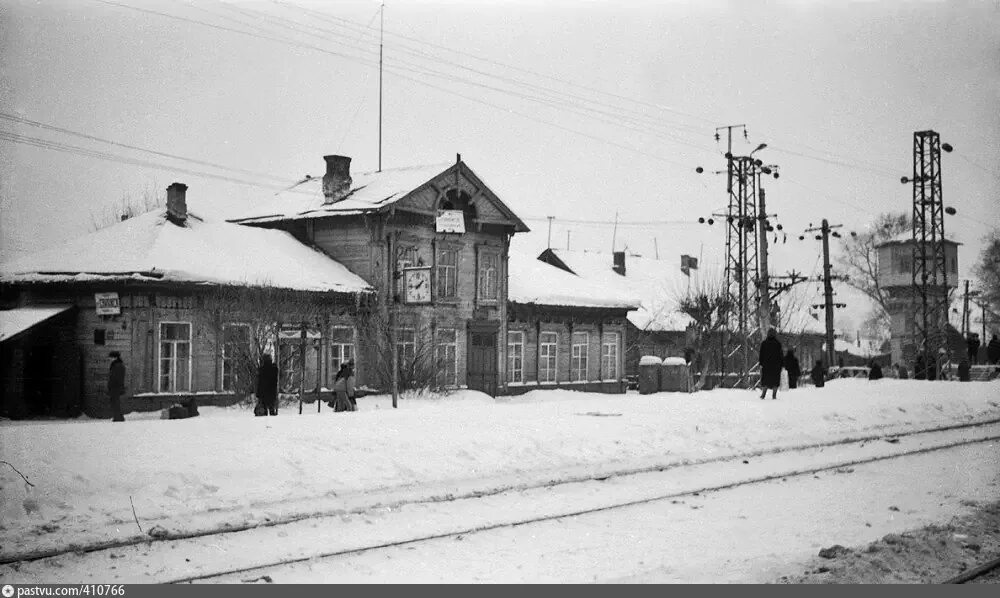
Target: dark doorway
38, 385
482, 362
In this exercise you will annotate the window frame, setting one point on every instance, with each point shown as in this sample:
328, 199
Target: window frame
552, 355
483, 294
579, 362
511, 357
441, 273
453, 361
174, 360
225, 358
401, 343
338, 347
606, 357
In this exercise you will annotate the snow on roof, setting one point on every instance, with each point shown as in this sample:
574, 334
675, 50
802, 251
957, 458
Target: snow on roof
369, 191
657, 284
868, 348
533, 281
907, 236
17, 320
149, 247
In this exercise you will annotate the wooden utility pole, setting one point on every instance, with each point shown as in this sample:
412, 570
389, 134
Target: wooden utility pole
764, 281
828, 277
965, 311
549, 243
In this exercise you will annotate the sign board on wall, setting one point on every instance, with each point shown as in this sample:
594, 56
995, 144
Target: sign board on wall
107, 304
450, 221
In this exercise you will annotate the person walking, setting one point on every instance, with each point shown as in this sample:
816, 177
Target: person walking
116, 385
343, 388
793, 369
973, 346
874, 370
818, 374
267, 385
993, 349
770, 360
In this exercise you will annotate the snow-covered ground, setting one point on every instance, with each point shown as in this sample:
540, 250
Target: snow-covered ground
230, 468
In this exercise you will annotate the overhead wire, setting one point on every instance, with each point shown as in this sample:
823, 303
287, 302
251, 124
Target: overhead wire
33, 123
86, 152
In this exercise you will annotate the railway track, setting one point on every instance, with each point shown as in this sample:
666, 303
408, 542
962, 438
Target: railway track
251, 571
471, 529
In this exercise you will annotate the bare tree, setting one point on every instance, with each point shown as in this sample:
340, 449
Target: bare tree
987, 270
859, 261
707, 304
255, 321
131, 203
422, 366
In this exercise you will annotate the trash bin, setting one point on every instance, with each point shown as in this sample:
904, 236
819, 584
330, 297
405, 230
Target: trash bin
649, 374
675, 375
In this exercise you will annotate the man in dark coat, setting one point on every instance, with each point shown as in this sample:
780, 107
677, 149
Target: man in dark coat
770, 364
874, 371
793, 369
973, 345
116, 385
267, 385
993, 350
819, 374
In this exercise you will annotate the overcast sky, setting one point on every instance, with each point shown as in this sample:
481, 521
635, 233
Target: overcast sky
630, 96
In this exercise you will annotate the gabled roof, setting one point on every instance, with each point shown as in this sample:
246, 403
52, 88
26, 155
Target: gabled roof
150, 247
531, 281
658, 285
370, 192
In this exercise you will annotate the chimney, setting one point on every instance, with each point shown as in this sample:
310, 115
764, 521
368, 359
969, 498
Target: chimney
176, 203
619, 266
337, 180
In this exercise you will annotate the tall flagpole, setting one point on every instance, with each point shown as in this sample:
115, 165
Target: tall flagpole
381, 33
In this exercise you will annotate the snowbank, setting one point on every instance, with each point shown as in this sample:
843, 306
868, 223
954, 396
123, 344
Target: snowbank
235, 467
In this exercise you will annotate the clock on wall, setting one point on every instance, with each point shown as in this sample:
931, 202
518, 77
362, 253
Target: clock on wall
417, 285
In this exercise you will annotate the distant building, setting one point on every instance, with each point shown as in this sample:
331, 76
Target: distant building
895, 276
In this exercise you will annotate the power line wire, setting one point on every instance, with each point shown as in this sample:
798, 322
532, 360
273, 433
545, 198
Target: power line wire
41, 125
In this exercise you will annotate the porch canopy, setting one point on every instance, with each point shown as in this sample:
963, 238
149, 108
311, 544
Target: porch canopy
15, 321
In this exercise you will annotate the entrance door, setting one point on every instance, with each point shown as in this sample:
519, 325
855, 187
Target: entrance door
482, 362
38, 381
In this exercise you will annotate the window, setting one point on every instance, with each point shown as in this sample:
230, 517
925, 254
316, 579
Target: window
515, 356
609, 356
341, 347
175, 357
406, 347
488, 263
578, 356
407, 257
235, 352
447, 274
548, 344
446, 353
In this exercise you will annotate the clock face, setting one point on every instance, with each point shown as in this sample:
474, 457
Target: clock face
418, 285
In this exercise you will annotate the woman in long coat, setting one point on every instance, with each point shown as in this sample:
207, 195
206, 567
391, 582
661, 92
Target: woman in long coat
343, 389
793, 368
267, 385
770, 364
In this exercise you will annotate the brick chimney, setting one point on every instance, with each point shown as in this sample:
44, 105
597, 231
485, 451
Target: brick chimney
619, 266
337, 180
177, 203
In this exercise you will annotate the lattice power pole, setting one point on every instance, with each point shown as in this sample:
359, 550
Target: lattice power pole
742, 267
930, 272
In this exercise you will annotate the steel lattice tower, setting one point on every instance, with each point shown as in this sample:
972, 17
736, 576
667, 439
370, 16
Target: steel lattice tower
742, 274
930, 274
